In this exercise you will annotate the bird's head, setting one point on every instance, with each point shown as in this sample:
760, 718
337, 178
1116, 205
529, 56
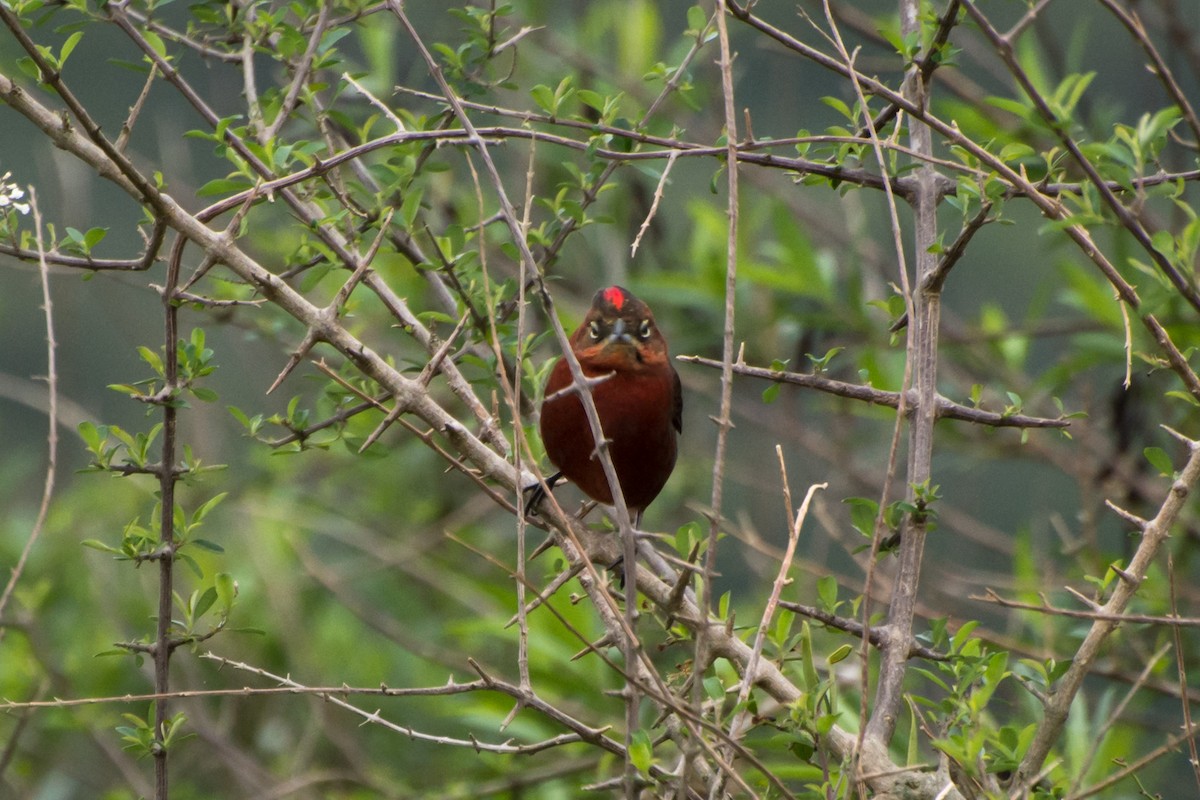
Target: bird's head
619, 333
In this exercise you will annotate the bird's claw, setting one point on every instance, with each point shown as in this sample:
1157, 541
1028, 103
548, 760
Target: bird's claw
536, 493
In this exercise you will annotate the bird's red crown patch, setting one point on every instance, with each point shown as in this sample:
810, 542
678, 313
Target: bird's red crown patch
615, 297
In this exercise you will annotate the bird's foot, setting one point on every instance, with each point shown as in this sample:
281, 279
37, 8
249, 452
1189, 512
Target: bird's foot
536, 493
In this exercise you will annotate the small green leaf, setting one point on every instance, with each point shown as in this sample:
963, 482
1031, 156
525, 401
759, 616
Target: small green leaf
94, 236
204, 603
91, 435
208, 506
410, 207
221, 186
1180, 395
152, 358
641, 752
543, 95
840, 654
204, 394
68, 47
125, 388
1159, 459
827, 591
96, 544
192, 564
863, 511
226, 590
839, 106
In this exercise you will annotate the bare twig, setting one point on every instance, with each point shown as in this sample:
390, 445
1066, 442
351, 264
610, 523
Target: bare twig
51, 412
945, 408
1068, 685
738, 725
1074, 613
658, 195
722, 419
1189, 728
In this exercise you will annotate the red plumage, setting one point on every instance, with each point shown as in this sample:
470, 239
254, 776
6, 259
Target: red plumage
640, 404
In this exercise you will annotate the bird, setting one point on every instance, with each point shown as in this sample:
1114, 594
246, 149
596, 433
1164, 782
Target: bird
639, 401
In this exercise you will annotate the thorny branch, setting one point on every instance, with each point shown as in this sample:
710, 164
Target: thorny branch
945, 407
1153, 536
483, 455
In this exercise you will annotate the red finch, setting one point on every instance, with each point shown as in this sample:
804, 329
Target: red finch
639, 403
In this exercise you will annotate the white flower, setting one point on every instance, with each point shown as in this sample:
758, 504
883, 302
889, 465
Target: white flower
10, 193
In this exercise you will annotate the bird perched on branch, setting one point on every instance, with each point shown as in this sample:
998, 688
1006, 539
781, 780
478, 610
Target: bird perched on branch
637, 396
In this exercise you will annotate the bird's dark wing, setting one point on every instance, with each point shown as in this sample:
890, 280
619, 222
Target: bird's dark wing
677, 411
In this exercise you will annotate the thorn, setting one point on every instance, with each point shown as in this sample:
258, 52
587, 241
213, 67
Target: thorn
1126, 576
1132, 519
516, 709
685, 579
1033, 690
1191, 444
548, 592
479, 671
1087, 601
435, 363
391, 417
310, 339
600, 643
541, 548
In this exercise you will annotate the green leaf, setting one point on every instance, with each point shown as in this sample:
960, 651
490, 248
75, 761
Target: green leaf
807, 666
543, 95
221, 186
155, 41
641, 751
840, 654
152, 358
839, 106
125, 388
68, 47
192, 564
94, 236
208, 506
91, 435
204, 603
1159, 459
204, 394
827, 591
1181, 395
226, 589
410, 207
96, 544
863, 511
591, 99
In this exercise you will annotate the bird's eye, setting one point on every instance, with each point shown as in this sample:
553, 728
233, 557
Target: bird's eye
594, 331
644, 330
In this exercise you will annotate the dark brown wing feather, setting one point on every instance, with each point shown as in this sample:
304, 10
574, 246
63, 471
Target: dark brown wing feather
677, 411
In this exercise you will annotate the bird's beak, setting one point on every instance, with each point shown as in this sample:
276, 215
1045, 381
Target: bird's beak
619, 336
